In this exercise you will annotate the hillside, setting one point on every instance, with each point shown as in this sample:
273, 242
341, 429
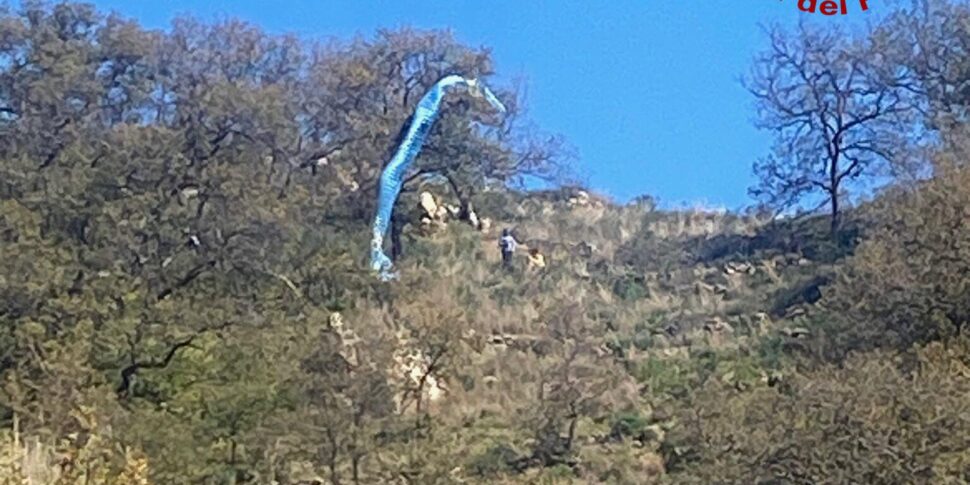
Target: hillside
185, 297
640, 353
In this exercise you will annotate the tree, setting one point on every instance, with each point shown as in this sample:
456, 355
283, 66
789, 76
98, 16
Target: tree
367, 91
930, 44
578, 382
907, 283
180, 208
837, 114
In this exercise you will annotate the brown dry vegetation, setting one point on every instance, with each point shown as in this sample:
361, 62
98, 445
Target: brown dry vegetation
655, 346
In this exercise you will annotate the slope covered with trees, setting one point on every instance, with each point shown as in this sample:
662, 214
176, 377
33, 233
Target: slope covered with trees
184, 296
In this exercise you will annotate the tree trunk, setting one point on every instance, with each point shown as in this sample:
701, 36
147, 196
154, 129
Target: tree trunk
835, 215
834, 182
397, 248
464, 203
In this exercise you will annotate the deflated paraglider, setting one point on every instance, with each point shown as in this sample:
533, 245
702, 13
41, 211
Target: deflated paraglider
393, 176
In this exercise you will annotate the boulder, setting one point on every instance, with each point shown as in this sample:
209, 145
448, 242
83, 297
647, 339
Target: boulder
441, 214
739, 268
428, 203
336, 320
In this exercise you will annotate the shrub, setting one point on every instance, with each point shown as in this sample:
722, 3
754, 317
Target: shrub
870, 420
908, 282
497, 459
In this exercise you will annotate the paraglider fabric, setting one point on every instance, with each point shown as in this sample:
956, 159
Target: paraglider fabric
393, 176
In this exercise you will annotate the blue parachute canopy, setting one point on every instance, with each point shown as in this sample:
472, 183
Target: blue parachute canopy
393, 176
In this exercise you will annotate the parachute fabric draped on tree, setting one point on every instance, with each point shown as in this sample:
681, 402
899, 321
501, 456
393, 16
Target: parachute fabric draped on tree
392, 177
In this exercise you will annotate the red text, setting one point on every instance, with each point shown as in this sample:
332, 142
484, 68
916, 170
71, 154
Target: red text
829, 7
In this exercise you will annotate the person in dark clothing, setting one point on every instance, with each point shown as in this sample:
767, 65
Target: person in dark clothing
507, 244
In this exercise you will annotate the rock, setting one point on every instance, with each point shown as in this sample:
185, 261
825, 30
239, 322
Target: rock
441, 214
796, 312
653, 433
189, 193
485, 224
413, 366
428, 203
581, 199
435, 390
771, 379
737, 268
796, 332
336, 320
350, 355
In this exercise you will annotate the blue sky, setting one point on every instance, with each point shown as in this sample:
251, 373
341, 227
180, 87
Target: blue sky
647, 91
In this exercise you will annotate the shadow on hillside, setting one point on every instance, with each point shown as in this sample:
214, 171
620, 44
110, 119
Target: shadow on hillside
808, 237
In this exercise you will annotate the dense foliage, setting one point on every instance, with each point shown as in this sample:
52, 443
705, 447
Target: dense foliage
184, 296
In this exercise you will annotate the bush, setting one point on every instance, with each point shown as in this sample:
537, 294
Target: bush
870, 420
497, 459
630, 287
628, 425
908, 282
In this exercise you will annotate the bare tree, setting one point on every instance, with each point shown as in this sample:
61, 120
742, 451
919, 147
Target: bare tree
837, 113
931, 41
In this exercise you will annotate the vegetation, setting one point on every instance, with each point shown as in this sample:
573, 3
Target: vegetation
184, 296
838, 113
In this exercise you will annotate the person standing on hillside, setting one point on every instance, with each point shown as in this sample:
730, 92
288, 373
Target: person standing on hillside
536, 260
507, 244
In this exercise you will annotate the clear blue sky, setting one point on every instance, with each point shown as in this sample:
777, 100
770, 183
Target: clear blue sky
647, 90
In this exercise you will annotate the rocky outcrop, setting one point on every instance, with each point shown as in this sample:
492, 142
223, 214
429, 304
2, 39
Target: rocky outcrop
435, 214
417, 374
